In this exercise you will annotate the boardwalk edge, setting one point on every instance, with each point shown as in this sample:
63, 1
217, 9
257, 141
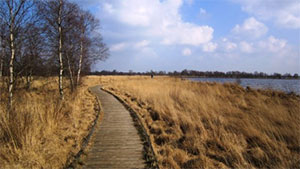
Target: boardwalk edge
74, 160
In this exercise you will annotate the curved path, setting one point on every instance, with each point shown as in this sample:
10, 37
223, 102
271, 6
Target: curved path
117, 143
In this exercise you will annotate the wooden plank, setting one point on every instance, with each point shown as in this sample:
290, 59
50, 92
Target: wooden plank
136, 144
117, 162
117, 143
96, 166
117, 158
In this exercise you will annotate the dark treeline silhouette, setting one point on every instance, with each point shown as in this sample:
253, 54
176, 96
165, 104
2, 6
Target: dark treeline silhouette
46, 38
208, 74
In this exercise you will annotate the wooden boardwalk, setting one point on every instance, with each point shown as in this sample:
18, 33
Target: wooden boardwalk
117, 143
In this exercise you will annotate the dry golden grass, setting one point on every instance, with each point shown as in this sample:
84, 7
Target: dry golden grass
43, 132
210, 125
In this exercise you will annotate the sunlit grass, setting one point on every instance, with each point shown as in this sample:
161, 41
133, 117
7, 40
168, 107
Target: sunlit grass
211, 125
191, 124
42, 132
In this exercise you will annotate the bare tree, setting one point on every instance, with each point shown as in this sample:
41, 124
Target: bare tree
92, 47
71, 41
56, 14
32, 51
14, 13
87, 24
80, 42
51, 11
71, 54
68, 34
98, 49
61, 67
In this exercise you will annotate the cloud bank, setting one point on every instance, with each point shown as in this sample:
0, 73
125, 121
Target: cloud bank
160, 19
283, 12
148, 34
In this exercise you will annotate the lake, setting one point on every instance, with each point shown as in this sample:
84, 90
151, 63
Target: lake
286, 85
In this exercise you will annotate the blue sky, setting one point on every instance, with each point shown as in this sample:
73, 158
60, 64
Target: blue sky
205, 35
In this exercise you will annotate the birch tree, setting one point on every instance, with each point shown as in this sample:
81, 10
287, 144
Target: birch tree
92, 47
56, 13
13, 14
61, 67
71, 47
87, 24
51, 11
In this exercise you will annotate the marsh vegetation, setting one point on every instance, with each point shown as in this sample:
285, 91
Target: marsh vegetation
43, 132
213, 125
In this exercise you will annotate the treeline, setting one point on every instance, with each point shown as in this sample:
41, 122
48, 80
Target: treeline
209, 74
46, 38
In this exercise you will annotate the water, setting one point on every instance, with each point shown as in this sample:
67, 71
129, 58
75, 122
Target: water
286, 85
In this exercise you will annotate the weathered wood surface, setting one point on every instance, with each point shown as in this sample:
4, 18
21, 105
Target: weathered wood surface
117, 143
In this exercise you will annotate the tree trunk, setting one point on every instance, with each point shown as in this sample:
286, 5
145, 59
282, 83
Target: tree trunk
61, 68
12, 58
80, 62
70, 73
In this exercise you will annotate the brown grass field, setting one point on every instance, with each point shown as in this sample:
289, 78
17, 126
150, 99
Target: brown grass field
42, 132
210, 125
191, 124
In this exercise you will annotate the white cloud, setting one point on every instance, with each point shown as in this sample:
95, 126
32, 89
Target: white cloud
134, 13
118, 47
228, 45
186, 52
209, 47
138, 45
273, 45
246, 47
139, 22
142, 44
259, 44
161, 19
187, 34
283, 12
251, 28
